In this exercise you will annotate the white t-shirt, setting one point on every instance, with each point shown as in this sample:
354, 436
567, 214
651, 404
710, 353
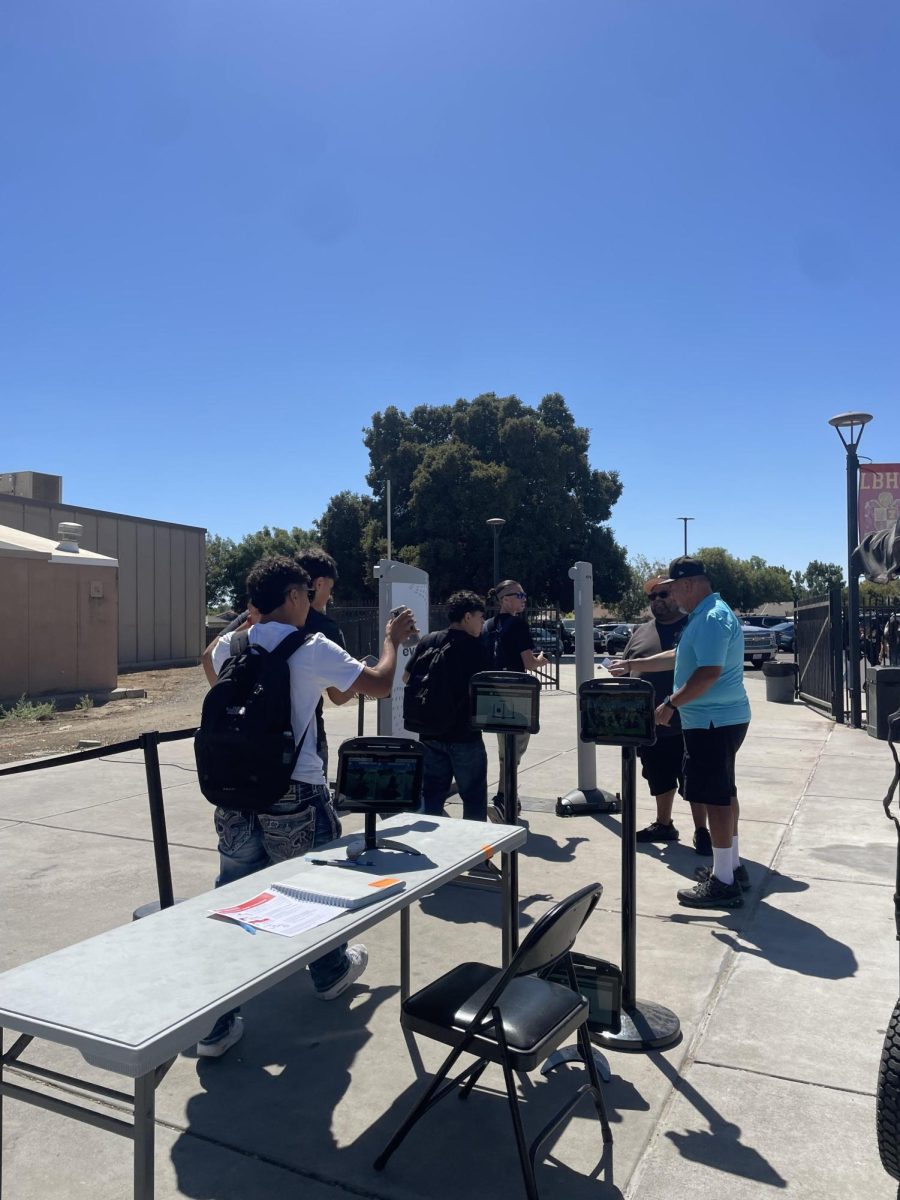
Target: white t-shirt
317, 665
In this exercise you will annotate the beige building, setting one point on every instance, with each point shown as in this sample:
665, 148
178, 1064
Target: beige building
162, 568
60, 606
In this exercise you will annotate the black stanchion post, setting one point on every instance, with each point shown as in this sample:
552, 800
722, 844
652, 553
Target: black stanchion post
511, 859
645, 1025
149, 743
629, 876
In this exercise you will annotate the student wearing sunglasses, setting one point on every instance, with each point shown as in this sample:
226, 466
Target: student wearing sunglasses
511, 648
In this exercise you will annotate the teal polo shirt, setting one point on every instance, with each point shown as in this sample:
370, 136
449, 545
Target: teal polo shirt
713, 638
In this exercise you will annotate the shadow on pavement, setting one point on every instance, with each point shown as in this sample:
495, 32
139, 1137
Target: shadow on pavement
720, 1145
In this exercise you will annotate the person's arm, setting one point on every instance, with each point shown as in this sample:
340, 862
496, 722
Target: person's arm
377, 681
534, 662
244, 621
701, 681
664, 661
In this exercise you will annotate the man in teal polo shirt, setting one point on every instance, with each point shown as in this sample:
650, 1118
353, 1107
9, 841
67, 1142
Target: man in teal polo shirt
709, 697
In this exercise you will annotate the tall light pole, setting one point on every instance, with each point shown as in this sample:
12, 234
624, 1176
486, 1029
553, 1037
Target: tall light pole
685, 519
496, 524
853, 423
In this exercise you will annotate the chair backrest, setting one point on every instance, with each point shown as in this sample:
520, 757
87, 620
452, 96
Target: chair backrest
551, 937
554, 934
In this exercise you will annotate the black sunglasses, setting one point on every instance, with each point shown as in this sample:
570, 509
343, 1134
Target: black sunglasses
659, 595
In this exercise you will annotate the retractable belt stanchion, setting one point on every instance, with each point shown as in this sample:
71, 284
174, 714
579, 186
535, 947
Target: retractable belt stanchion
620, 712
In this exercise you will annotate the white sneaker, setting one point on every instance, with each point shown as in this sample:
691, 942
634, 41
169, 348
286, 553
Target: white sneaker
216, 1049
359, 960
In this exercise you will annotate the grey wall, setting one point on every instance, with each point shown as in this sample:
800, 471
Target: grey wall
162, 576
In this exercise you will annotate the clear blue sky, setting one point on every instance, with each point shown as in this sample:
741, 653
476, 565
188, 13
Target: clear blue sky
275, 218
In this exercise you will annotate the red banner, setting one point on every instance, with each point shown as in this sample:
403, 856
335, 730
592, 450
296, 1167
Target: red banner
879, 497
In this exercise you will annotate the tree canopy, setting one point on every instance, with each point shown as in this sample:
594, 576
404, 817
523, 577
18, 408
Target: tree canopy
453, 466
745, 583
228, 562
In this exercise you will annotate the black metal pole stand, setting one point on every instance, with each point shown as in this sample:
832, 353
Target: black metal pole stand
510, 860
645, 1025
149, 744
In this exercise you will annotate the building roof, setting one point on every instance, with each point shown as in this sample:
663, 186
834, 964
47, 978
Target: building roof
16, 543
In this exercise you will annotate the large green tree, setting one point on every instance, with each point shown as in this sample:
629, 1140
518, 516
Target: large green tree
344, 529
820, 577
453, 466
745, 583
232, 560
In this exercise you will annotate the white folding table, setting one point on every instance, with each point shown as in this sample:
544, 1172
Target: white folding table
130, 1000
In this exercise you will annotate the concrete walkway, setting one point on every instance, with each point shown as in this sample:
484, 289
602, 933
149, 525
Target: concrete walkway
783, 1003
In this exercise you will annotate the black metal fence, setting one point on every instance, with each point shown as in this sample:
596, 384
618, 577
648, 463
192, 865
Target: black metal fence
818, 649
363, 636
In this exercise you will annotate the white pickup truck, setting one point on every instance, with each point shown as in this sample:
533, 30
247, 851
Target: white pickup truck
759, 645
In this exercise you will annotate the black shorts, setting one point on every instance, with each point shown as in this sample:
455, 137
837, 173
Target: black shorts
662, 766
709, 756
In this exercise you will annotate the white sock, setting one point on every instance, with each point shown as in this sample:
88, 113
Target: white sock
735, 857
722, 868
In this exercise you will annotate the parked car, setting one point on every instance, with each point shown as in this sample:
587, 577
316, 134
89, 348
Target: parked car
546, 640
784, 635
768, 622
601, 630
617, 639
565, 637
759, 644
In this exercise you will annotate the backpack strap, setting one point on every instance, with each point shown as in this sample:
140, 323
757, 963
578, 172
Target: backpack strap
239, 643
288, 645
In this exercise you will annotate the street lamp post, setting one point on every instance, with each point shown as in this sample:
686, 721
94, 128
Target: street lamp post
496, 524
685, 519
854, 423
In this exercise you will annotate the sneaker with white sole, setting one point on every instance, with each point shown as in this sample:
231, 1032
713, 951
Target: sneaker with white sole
215, 1048
359, 960
711, 893
741, 876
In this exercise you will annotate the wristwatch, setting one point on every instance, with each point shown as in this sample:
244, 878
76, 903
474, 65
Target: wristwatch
668, 704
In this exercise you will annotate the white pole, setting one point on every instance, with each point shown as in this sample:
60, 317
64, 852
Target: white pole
582, 575
389, 520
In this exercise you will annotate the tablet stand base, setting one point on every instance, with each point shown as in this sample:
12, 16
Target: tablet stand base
580, 803
645, 1026
371, 841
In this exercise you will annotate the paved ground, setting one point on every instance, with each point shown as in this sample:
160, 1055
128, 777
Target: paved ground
783, 1003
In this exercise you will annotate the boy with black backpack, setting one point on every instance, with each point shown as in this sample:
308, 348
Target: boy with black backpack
253, 828
436, 706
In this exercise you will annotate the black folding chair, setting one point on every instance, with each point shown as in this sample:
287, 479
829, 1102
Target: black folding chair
513, 1017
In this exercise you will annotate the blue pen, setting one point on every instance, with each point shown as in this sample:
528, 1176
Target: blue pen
249, 928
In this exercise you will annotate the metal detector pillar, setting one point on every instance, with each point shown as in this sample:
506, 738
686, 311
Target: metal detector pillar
399, 583
586, 797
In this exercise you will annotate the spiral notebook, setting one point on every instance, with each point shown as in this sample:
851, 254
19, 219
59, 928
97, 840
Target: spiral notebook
342, 887
293, 906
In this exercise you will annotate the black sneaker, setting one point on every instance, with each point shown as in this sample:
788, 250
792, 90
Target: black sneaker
657, 832
741, 876
703, 842
711, 893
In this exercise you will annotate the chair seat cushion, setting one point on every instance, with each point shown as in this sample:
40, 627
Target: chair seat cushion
533, 1010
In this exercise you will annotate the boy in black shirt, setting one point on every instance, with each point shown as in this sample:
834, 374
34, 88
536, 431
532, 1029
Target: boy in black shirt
456, 749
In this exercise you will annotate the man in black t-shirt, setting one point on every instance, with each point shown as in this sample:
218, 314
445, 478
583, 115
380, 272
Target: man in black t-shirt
456, 750
661, 763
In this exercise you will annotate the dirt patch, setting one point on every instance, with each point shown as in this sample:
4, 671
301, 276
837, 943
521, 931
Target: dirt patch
173, 701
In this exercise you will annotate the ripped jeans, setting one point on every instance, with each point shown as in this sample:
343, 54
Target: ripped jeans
249, 841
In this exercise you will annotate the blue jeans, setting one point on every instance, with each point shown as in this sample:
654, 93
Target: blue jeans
465, 760
300, 821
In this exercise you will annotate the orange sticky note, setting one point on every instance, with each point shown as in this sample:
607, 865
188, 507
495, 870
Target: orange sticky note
377, 883
488, 851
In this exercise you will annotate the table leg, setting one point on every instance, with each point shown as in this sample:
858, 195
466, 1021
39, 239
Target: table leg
510, 919
144, 1130
404, 953
1, 1112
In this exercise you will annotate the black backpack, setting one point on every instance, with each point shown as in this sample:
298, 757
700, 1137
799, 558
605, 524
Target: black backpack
244, 747
491, 634
428, 700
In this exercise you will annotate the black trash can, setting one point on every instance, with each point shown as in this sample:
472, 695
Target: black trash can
781, 681
883, 699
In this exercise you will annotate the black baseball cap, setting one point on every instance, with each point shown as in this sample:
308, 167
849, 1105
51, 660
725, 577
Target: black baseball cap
684, 568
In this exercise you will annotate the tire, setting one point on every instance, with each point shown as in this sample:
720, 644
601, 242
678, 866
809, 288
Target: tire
756, 666
887, 1098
